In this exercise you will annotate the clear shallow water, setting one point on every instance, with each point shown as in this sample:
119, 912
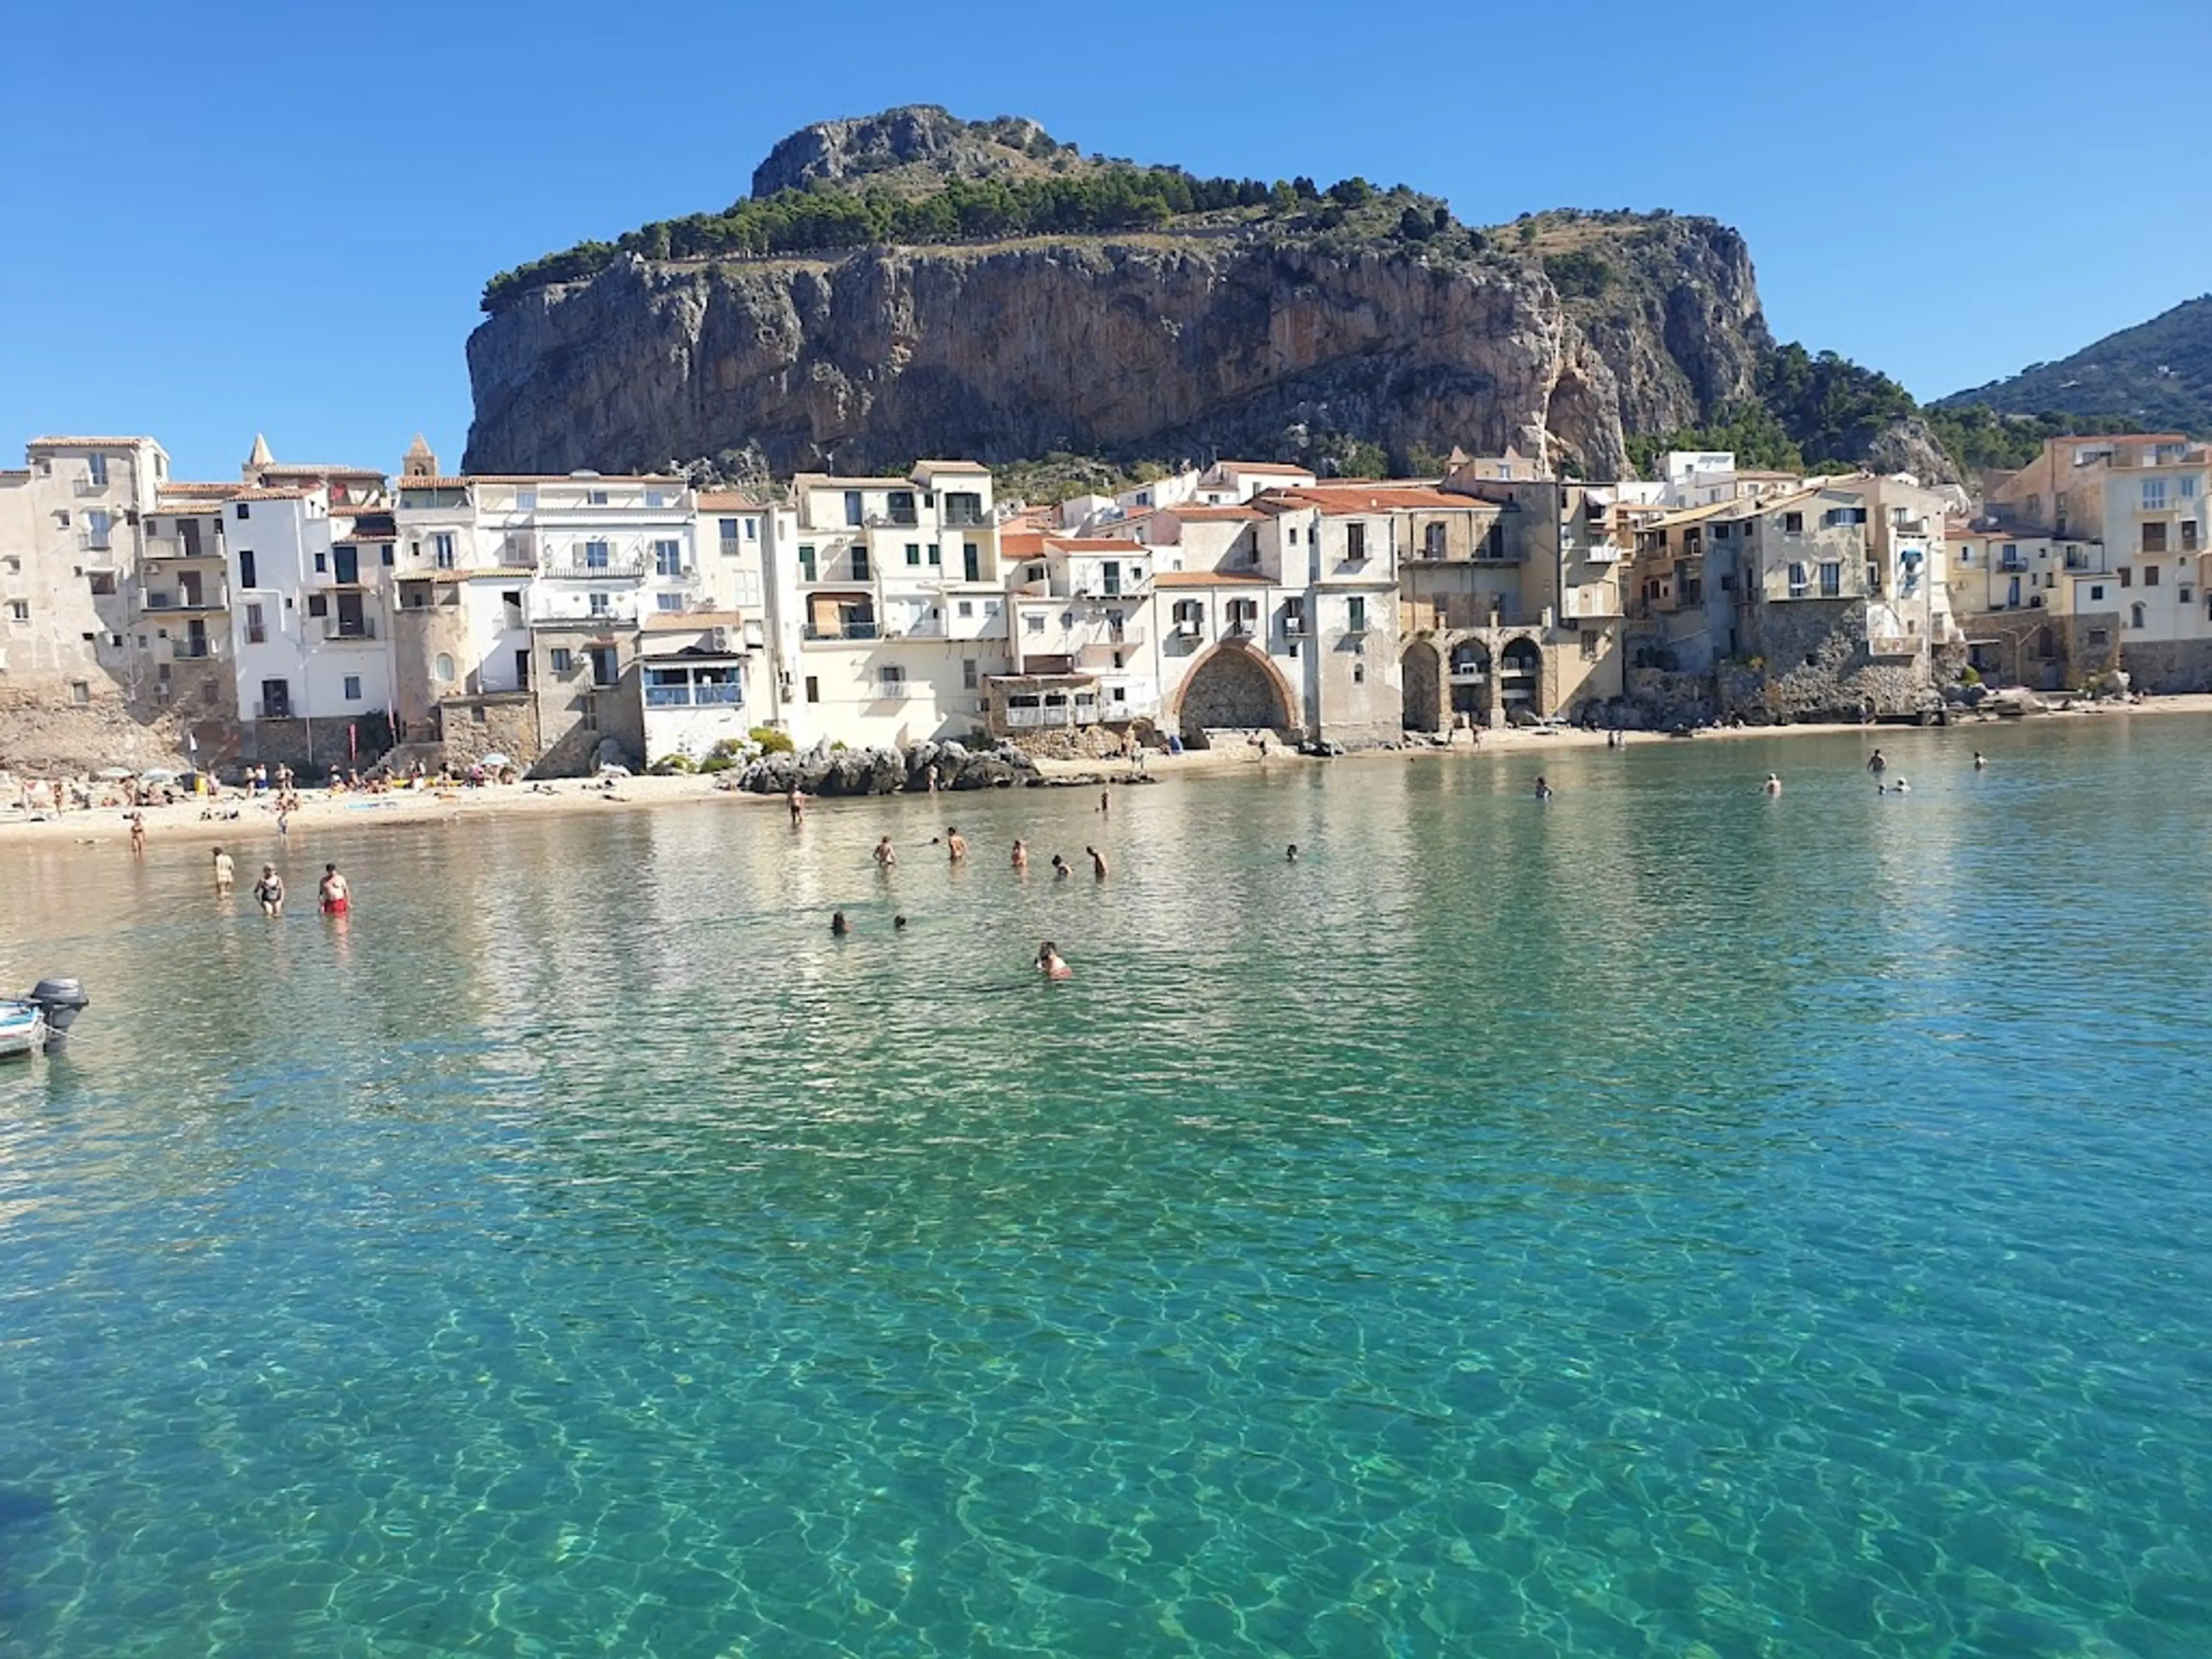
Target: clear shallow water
1665, 1222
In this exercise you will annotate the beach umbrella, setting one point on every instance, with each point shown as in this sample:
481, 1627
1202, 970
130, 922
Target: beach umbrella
158, 775
114, 774
494, 763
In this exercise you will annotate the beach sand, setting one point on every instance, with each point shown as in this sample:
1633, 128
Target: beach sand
255, 833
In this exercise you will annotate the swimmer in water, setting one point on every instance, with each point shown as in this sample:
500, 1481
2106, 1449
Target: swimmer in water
1877, 762
886, 854
1021, 855
839, 928
956, 844
1544, 790
1291, 856
1981, 761
1097, 862
1773, 785
1060, 869
898, 922
1050, 963
1901, 787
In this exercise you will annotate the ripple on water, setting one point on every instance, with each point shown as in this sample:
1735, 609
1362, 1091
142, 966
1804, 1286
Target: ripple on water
1671, 1222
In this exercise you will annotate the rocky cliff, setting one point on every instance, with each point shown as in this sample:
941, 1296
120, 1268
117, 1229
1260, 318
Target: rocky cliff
1265, 331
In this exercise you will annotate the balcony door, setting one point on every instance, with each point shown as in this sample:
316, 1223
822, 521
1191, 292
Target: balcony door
352, 623
345, 563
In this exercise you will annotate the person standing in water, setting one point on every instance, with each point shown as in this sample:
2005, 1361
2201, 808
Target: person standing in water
1021, 857
839, 928
226, 872
1543, 788
1060, 872
137, 834
1773, 785
1877, 762
1097, 862
1051, 964
334, 897
269, 892
956, 845
1291, 856
886, 854
1981, 761
797, 802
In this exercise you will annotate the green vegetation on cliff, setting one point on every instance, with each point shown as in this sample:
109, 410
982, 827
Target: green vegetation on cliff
2156, 376
1111, 197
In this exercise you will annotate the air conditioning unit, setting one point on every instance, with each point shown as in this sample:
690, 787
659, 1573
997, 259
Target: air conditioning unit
1294, 625
723, 641
1187, 629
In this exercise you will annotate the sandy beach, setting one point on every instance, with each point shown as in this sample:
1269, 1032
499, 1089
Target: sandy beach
252, 823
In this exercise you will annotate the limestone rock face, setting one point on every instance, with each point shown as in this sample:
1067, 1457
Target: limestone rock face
1171, 346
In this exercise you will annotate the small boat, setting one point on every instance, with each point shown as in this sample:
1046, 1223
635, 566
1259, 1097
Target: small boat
38, 1022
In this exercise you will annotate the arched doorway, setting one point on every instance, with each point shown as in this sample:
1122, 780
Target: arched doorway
1234, 688
1470, 680
1521, 677
1421, 675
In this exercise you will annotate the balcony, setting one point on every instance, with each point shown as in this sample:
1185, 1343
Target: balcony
852, 630
624, 569
195, 650
91, 486
337, 630
167, 603
279, 710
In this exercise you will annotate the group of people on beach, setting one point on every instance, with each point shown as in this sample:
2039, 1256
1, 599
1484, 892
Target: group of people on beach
333, 893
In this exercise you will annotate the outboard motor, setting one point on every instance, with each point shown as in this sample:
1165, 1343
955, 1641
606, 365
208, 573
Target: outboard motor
60, 1000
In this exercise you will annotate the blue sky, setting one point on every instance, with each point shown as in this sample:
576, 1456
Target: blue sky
226, 219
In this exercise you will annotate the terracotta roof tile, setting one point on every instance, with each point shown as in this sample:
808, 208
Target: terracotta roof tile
727, 501
1094, 543
1207, 579
1193, 514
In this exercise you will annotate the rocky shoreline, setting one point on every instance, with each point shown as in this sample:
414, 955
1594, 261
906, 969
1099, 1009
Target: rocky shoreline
924, 768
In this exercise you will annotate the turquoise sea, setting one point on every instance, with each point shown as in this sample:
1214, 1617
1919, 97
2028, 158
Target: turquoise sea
1667, 1221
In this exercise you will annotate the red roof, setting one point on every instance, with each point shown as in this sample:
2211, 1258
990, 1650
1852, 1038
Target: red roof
1093, 544
1207, 579
1214, 514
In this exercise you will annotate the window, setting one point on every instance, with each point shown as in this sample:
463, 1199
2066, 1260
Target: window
1721, 532
2153, 495
1359, 673
384, 555
19, 610
2099, 638
1033, 622
890, 682
1590, 637
1800, 581
442, 670
936, 554
2150, 575
322, 563
860, 563
2127, 576
913, 553
805, 562
901, 507
752, 530
667, 688
97, 466
526, 500
103, 582
353, 688
2186, 487
656, 498
2135, 615
668, 601
969, 677
2153, 537
257, 630
1292, 534
1832, 579
441, 550
595, 498
1355, 615
601, 605
319, 605
606, 667
562, 659
96, 527
244, 512
964, 608
852, 513
598, 555
813, 688
1294, 617
668, 558
1793, 524
62, 519
80, 692
2189, 535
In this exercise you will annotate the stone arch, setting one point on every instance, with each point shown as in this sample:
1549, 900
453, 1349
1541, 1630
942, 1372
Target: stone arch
1231, 686
1422, 680
1521, 675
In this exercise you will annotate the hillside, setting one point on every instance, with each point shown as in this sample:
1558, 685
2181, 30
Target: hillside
2156, 376
910, 283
